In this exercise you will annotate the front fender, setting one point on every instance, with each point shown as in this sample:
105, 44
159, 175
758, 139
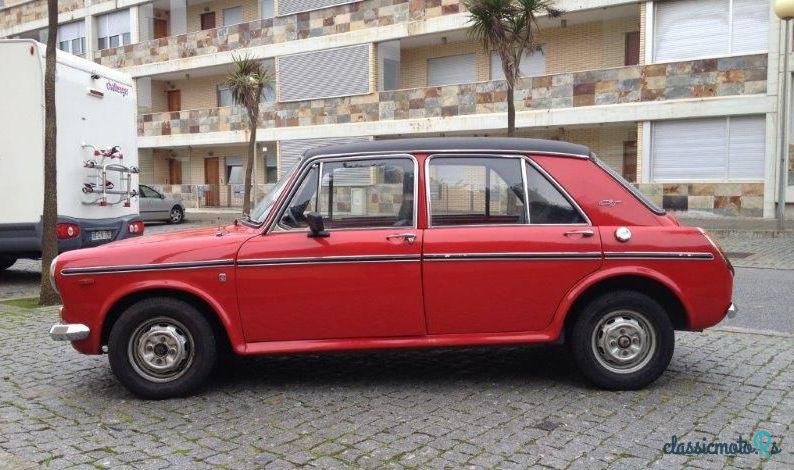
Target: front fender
225, 309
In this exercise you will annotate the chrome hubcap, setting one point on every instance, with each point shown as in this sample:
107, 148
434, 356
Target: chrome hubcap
161, 349
175, 215
624, 341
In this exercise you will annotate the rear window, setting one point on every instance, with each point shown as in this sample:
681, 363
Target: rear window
629, 187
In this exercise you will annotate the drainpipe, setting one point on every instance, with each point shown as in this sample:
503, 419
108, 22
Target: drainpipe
784, 9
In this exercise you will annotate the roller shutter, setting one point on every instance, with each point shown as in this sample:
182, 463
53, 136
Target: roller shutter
687, 29
290, 151
451, 70
288, 7
323, 74
720, 149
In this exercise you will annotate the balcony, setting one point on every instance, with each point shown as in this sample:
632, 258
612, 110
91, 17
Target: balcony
334, 20
20, 12
729, 76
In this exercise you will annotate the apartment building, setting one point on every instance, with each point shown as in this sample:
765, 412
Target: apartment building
679, 96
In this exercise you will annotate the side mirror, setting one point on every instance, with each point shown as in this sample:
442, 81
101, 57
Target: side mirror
316, 225
162, 196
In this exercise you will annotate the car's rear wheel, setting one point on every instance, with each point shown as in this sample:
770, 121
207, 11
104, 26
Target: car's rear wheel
162, 348
623, 340
6, 262
176, 216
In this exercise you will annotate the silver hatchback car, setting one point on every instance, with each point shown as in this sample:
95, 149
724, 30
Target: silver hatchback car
154, 206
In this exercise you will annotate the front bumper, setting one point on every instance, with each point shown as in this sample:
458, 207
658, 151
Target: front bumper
69, 332
732, 310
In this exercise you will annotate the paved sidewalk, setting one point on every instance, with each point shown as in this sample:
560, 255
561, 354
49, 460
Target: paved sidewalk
758, 249
509, 407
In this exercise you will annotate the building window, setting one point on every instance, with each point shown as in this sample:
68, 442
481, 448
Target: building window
232, 16
271, 168
224, 96
71, 38
266, 8
234, 173
718, 149
533, 64
113, 29
451, 70
689, 29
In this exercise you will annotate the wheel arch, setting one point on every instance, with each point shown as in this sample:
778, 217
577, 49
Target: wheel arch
656, 287
217, 320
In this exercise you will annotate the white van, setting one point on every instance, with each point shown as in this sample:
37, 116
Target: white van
97, 156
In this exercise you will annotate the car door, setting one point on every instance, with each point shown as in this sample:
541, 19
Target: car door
362, 280
146, 202
503, 246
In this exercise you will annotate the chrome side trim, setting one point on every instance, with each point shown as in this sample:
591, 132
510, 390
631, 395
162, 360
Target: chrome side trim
69, 332
329, 260
513, 256
147, 267
671, 255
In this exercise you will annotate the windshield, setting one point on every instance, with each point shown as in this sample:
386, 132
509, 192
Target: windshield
260, 212
630, 187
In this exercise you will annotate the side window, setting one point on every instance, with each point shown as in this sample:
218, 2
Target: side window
147, 191
304, 201
476, 191
356, 194
547, 205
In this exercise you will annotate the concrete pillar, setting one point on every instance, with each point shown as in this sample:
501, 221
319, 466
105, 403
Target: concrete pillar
145, 22
90, 37
178, 14
135, 30
143, 87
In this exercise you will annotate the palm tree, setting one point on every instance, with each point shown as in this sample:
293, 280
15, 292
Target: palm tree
508, 28
49, 241
246, 84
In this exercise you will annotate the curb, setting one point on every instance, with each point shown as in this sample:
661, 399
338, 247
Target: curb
751, 331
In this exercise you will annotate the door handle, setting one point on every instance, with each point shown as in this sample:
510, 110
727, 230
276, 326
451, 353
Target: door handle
407, 237
586, 233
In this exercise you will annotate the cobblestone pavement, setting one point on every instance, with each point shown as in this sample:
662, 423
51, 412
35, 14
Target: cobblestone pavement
759, 250
506, 407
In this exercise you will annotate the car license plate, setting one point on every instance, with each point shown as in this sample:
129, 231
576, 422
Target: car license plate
100, 235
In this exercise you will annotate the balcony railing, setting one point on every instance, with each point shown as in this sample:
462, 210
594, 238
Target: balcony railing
729, 76
327, 21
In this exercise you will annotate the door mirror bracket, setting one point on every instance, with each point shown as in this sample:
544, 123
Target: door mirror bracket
316, 225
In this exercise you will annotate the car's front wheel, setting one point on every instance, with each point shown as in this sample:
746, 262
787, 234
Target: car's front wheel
176, 216
161, 348
623, 340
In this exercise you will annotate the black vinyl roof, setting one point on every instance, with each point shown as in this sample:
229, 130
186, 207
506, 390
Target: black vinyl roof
452, 144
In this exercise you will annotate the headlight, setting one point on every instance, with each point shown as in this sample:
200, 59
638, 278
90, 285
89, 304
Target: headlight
52, 275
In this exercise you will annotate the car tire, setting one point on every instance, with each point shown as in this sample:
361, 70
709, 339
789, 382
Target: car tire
6, 262
162, 348
176, 216
623, 340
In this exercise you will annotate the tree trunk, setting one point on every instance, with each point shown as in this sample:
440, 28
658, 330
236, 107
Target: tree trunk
511, 111
49, 241
249, 167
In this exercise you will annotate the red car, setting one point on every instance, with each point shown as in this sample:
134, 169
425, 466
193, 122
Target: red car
406, 244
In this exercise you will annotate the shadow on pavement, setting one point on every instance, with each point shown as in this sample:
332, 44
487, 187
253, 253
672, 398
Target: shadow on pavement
412, 367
